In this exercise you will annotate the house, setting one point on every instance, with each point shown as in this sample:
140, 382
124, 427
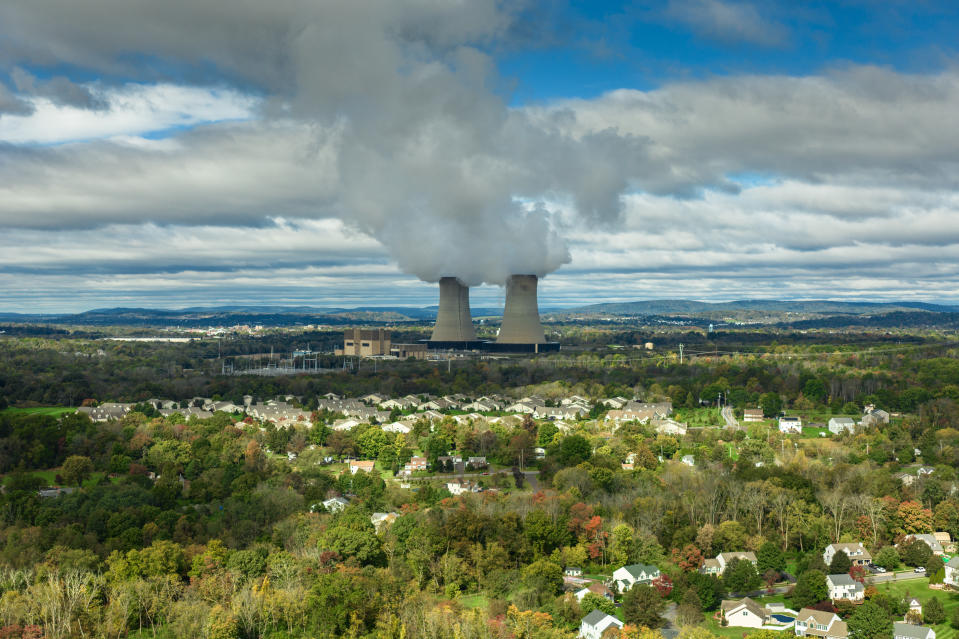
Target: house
628, 576
415, 463
753, 415
365, 466
689, 460
952, 573
597, 589
790, 425
840, 425
925, 471
595, 624
743, 613
336, 504
345, 424
929, 540
460, 487
945, 541
379, 520
615, 402
539, 452
396, 427
477, 462
718, 565
905, 478
572, 571
873, 416
901, 630
915, 608
816, 623
670, 427
844, 587
858, 555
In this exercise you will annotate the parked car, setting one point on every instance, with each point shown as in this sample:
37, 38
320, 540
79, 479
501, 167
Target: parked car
920, 569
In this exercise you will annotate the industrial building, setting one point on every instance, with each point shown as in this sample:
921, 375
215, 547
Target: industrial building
361, 342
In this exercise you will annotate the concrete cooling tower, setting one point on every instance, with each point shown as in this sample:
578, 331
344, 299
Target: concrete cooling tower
453, 320
521, 313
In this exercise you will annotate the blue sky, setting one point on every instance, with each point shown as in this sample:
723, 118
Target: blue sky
350, 154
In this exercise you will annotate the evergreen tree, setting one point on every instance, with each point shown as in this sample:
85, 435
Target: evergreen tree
643, 606
933, 613
770, 557
840, 564
870, 622
810, 589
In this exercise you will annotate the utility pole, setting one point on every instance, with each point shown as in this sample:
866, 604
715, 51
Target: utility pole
680, 353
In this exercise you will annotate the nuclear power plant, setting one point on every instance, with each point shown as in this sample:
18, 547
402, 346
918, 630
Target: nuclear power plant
520, 331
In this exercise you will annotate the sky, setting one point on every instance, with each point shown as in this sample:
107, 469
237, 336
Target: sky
335, 154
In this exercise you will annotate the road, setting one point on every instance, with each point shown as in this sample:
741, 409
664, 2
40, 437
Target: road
529, 475
730, 418
905, 575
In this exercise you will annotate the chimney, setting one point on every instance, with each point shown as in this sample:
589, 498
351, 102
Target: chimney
453, 320
521, 313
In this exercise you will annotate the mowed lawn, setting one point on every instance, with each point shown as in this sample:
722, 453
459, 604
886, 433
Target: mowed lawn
56, 411
919, 588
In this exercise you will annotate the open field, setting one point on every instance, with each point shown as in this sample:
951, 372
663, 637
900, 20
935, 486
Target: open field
919, 588
39, 410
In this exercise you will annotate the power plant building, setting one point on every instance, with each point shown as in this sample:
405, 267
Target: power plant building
360, 342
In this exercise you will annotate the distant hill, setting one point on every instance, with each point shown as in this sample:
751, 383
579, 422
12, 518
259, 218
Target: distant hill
688, 307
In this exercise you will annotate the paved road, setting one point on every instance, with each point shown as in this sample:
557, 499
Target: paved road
905, 575
529, 475
730, 417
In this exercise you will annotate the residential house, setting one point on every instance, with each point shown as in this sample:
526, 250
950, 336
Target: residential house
628, 576
615, 402
396, 427
689, 460
572, 571
840, 425
460, 487
597, 589
718, 565
415, 463
670, 427
844, 587
105, 412
929, 540
945, 541
902, 630
753, 415
365, 466
743, 613
816, 623
925, 471
595, 624
477, 462
539, 452
915, 608
379, 520
373, 398
345, 424
952, 573
790, 425
858, 555
336, 504
574, 399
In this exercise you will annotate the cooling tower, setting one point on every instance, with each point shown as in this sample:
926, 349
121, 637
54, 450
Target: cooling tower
453, 320
521, 313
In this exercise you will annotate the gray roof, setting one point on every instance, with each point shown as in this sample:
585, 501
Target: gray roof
842, 580
594, 617
901, 629
637, 569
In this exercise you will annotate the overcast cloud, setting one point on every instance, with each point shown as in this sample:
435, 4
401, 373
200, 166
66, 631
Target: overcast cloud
314, 154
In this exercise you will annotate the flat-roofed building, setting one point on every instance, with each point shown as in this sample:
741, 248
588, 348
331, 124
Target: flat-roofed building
362, 342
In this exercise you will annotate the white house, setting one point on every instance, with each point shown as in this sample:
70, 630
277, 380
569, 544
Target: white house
816, 623
840, 425
718, 565
396, 427
952, 573
929, 540
844, 587
753, 415
595, 624
743, 613
628, 576
365, 466
460, 487
901, 630
858, 555
790, 425
336, 504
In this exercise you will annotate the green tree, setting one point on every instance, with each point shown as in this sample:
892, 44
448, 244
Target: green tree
770, 557
574, 449
544, 576
810, 589
887, 557
741, 576
591, 601
643, 606
353, 536
933, 613
915, 552
870, 621
76, 468
771, 404
840, 564
815, 390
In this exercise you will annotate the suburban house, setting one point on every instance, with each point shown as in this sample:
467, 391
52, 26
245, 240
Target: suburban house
477, 462
873, 416
396, 427
901, 630
858, 555
365, 466
816, 623
840, 425
928, 539
743, 613
460, 487
595, 624
628, 576
790, 425
945, 541
336, 504
597, 589
952, 573
753, 415
844, 587
670, 427
718, 565
416, 463
382, 519
572, 571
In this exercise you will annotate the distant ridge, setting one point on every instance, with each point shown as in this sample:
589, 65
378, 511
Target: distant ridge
335, 315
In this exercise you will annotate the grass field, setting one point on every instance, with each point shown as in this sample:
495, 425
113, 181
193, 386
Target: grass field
919, 588
474, 601
50, 477
56, 411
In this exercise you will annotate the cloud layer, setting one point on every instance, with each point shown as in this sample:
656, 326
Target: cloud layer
296, 150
